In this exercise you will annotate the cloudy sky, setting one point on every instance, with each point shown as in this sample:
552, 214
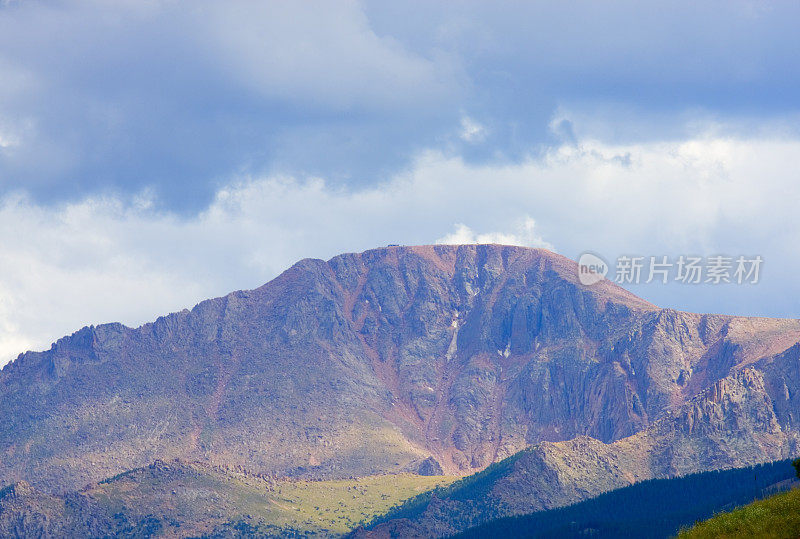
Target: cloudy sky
156, 153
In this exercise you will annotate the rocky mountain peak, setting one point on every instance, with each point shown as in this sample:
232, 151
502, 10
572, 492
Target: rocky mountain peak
370, 362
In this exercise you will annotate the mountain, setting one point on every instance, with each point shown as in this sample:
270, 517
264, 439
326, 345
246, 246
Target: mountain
640, 510
733, 423
409, 359
194, 499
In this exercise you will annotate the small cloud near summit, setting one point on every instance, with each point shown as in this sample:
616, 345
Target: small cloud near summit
524, 235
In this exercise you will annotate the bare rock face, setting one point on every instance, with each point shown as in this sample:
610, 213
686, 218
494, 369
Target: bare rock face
371, 362
733, 423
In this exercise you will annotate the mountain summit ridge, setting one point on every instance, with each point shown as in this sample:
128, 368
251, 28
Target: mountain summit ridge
368, 363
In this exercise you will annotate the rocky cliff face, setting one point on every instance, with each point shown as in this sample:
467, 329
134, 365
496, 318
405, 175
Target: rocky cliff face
735, 422
376, 362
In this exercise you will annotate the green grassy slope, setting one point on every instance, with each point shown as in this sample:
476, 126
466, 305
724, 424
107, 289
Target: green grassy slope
178, 499
473, 487
775, 517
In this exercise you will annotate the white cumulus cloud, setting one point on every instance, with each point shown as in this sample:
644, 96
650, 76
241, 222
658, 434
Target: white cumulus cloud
524, 235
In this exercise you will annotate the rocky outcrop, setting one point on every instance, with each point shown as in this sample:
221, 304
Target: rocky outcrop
429, 466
